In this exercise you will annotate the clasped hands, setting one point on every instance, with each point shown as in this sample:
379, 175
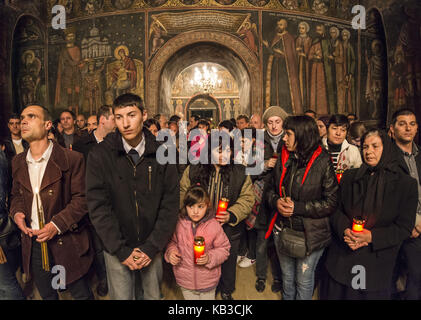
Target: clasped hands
285, 206
137, 260
356, 240
47, 233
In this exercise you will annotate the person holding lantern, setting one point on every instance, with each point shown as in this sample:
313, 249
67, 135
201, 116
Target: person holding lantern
197, 256
375, 215
218, 174
301, 194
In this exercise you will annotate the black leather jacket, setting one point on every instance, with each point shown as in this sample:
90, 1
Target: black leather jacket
314, 201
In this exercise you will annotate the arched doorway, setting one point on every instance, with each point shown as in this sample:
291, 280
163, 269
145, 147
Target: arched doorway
203, 46
205, 106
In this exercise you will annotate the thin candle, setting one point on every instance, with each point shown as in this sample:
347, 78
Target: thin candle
41, 222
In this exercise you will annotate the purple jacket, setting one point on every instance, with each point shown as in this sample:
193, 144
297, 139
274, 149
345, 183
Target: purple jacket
189, 275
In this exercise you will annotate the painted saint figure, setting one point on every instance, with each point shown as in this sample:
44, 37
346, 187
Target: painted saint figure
337, 57
282, 61
303, 45
321, 83
349, 71
29, 78
248, 33
124, 76
92, 89
375, 78
69, 73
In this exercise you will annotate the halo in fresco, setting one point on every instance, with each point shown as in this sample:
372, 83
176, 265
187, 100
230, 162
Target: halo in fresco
155, 3
122, 4
225, 2
258, 3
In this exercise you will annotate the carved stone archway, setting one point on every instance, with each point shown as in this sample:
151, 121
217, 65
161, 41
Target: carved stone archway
237, 46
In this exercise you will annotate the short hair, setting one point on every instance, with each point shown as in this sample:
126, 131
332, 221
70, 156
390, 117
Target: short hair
352, 114
203, 122
338, 120
157, 116
105, 111
45, 111
311, 111
14, 116
402, 112
128, 100
175, 118
68, 111
226, 124
243, 116
151, 121
357, 129
253, 132
196, 117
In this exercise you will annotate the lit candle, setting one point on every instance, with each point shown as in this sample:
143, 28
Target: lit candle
222, 206
339, 174
199, 247
358, 224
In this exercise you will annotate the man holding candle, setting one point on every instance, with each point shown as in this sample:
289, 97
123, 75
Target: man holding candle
386, 199
133, 202
404, 128
53, 178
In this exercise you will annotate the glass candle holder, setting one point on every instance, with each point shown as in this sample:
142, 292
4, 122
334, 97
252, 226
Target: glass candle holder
198, 247
222, 206
358, 224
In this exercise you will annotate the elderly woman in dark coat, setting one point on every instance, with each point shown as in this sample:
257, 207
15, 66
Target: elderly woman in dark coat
360, 264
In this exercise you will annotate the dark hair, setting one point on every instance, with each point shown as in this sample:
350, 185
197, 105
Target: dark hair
152, 121
46, 112
14, 116
105, 111
203, 122
253, 132
310, 111
243, 116
357, 129
195, 194
234, 123
324, 119
338, 120
352, 114
307, 137
68, 111
226, 124
157, 116
175, 118
195, 117
128, 100
402, 112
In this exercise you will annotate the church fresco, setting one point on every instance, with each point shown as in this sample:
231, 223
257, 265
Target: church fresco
92, 62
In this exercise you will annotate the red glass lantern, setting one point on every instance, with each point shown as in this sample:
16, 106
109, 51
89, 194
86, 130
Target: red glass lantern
358, 224
199, 247
222, 206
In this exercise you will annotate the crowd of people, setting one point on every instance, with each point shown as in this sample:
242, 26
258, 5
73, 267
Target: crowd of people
92, 196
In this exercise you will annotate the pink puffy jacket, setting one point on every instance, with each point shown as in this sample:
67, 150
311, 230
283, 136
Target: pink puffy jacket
189, 275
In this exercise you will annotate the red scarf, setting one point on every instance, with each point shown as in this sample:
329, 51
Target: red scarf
284, 159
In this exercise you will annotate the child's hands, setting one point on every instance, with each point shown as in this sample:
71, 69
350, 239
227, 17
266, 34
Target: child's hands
204, 259
174, 257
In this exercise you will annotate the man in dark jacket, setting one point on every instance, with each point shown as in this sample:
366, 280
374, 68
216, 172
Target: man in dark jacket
133, 201
49, 184
106, 125
14, 144
404, 128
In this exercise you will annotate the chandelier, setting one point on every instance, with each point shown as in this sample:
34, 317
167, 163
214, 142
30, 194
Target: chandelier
205, 81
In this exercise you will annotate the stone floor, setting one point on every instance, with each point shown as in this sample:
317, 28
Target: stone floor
245, 289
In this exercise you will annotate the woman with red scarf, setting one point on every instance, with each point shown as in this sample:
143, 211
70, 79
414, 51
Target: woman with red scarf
301, 194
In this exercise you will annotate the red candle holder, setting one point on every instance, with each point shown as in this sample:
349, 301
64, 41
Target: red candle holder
198, 247
339, 174
222, 206
358, 224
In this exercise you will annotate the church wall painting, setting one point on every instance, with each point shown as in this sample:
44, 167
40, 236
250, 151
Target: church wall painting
95, 60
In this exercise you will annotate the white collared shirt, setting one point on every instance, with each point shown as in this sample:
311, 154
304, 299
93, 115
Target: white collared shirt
140, 148
36, 170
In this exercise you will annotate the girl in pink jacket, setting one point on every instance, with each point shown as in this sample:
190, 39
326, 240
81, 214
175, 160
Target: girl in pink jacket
198, 280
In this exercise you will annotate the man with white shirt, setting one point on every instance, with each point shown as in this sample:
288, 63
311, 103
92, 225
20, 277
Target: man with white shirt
133, 202
19, 145
49, 181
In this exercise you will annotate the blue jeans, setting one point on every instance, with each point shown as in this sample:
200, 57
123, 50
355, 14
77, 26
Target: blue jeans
122, 281
9, 286
297, 273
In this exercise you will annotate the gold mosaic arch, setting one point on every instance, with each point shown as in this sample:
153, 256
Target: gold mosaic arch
182, 40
